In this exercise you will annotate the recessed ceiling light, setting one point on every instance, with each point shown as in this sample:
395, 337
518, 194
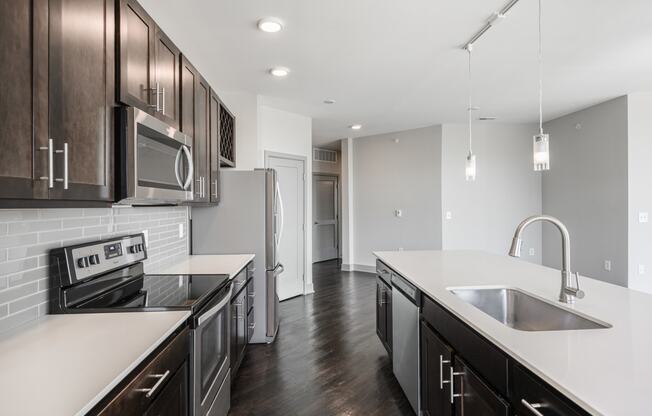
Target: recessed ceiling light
279, 71
329, 101
270, 25
356, 127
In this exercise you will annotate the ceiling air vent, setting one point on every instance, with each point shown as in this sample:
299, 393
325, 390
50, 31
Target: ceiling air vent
324, 155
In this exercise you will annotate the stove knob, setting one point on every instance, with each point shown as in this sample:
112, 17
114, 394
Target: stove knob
97, 259
91, 260
82, 262
132, 249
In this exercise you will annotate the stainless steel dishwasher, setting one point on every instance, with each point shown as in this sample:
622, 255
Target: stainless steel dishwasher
405, 339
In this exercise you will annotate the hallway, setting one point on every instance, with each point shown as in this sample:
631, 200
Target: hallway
326, 360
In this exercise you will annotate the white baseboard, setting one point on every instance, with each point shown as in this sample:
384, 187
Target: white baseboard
358, 268
310, 288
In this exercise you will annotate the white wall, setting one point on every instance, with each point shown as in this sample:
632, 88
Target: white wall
586, 188
639, 150
291, 134
389, 175
485, 212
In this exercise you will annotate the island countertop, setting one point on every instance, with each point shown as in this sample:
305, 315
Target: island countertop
63, 365
605, 371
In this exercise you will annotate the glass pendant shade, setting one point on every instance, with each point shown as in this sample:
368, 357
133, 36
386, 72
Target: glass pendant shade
470, 167
541, 152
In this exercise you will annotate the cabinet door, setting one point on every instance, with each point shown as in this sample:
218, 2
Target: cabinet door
200, 142
214, 146
81, 98
233, 339
472, 396
137, 57
173, 399
388, 319
23, 100
167, 64
436, 359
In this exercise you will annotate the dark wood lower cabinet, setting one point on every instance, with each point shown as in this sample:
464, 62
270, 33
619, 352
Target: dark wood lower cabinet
436, 359
242, 317
173, 400
471, 396
384, 313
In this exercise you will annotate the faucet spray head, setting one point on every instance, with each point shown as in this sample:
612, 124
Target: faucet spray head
515, 249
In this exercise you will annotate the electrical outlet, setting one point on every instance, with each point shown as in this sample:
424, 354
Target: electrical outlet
531, 251
398, 213
642, 217
146, 234
449, 215
181, 231
641, 269
400, 249
607, 265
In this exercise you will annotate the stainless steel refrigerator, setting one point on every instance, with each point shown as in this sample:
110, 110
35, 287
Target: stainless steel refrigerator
248, 219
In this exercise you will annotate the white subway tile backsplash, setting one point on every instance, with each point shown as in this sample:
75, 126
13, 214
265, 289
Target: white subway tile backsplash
27, 236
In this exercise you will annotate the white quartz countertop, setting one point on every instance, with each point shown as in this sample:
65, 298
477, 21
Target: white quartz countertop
605, 371
62, 365
223, 264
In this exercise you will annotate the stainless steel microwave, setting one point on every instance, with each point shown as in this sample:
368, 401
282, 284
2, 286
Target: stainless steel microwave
154, 163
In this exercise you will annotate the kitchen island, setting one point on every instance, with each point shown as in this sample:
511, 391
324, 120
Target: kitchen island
602, 371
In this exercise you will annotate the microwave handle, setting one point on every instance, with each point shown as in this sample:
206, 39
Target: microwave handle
188, 155
176, 166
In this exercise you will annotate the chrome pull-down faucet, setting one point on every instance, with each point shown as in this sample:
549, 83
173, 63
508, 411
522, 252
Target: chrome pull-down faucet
569, 290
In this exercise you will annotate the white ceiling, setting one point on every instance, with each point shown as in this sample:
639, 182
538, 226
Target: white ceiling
394, 65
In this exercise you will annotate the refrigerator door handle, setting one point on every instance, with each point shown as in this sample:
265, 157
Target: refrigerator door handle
280, 205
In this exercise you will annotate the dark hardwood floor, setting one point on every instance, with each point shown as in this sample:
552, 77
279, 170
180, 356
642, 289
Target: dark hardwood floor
327, 359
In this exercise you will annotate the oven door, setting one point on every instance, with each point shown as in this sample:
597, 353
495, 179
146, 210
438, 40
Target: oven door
158, 165
211, 352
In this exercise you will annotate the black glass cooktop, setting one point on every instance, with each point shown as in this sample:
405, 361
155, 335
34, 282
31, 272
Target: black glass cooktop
153, 292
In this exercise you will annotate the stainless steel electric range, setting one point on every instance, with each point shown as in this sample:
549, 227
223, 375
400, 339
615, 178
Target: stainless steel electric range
108, 276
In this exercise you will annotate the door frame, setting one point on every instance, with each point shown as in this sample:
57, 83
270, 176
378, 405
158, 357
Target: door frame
338, 209
278, 155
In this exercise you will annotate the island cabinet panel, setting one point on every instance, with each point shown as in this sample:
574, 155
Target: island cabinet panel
487, 360
527, 393
23, 39
472, 396
436, 362
81, 98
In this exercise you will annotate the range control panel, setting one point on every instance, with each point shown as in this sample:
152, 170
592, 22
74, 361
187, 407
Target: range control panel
93, 259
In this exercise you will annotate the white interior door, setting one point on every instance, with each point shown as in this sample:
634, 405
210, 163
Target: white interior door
324, 213
291, 254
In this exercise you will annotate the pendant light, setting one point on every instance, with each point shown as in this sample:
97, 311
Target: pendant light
541, 151
470, 158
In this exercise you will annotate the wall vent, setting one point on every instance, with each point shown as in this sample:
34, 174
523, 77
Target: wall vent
324, 155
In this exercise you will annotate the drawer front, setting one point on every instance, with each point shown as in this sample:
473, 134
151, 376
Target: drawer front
251, 295
487, 360
133, 399
384, 272
530, 395
251, 324
239, 282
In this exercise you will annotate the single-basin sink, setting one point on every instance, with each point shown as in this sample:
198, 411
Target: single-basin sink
519, 310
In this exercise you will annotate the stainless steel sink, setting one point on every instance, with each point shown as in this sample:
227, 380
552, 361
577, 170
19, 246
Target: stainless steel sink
519, 310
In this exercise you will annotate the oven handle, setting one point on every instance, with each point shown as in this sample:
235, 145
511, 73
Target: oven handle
215, 309
188, 155
176, 166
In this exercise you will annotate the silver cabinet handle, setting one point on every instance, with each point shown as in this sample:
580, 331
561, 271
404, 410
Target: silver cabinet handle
252, 325
203, 187
163, 103
65, 165
452, 381
441, 372
532, 407
50, 149
156, 106
198, 193
215, 185
158, 98
161, 378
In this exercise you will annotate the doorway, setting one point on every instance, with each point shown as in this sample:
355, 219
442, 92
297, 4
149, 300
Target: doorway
325, 227
290, 172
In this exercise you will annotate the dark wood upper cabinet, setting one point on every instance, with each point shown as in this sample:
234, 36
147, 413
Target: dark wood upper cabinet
195, 104
81, 98
214, 146
227, 137
149, 62
23, 40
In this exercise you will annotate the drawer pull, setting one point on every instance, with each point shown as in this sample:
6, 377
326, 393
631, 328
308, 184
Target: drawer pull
452, 381
441, 372
161, 378
532, 407
252, 325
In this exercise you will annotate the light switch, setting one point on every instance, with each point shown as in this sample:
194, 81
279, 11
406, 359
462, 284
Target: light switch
531, 251
642, 217
398, 213
449, 215
641, 269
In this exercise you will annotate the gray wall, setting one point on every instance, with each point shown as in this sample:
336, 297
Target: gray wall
485, 212
586, 188
388, 176
639, 148
27, 235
